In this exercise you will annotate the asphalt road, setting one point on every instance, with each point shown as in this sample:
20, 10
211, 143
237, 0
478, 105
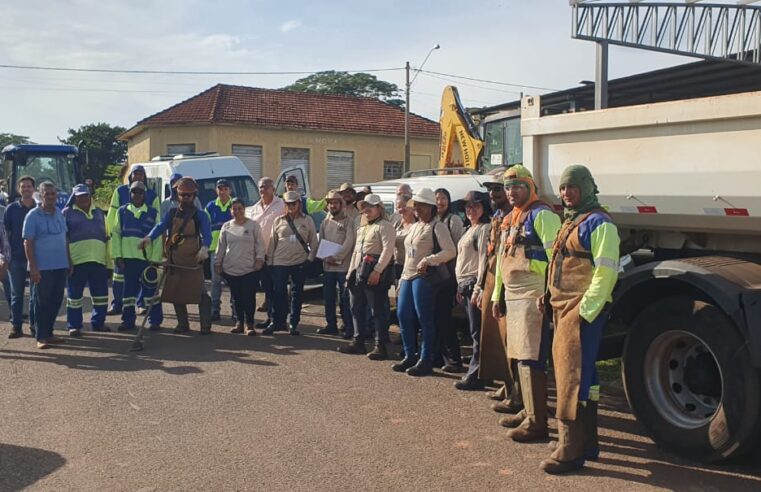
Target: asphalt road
230, 412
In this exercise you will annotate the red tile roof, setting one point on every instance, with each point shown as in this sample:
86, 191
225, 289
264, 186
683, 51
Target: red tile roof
287, 109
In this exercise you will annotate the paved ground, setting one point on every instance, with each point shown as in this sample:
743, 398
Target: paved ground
229, 412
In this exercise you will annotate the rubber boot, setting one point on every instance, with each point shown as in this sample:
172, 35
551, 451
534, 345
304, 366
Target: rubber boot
569, 452
181, 310
534, 426
514, 403
591, 443
204, 314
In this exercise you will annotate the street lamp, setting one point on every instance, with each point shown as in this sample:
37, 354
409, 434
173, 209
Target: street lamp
407, 84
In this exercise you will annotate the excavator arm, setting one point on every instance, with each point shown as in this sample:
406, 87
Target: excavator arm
456, 125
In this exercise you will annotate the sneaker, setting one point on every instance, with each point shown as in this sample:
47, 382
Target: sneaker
264, 324
42, 345
453, 368
215, 316
237, 328
250, 331
55, 340
294, 332
272, 328
404, 364
472, 384
379, 352
422, 368
154, 328
327, 331
354, 348
15, 334
113, 311
74, 332
181, 329
103, 328
123, 327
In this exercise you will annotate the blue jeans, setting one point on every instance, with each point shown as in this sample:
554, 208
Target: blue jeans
47, 296
366, 300
280, 275
216, 288
17, 274
92, 275
415, 308
330, 281
7, 289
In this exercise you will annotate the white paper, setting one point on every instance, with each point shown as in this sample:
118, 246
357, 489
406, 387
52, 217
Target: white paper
328, 248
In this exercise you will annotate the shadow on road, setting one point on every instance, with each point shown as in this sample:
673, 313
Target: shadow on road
21, 467
110, 351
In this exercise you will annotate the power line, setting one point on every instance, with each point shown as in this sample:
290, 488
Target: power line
491, 81
179, 72
502, 91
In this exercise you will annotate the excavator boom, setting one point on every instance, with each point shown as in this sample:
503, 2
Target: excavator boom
456, 125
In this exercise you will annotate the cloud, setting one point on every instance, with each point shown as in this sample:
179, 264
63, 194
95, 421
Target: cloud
290, 25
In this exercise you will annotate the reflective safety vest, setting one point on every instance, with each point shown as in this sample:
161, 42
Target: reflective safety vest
132, 225
86, 234
219, 214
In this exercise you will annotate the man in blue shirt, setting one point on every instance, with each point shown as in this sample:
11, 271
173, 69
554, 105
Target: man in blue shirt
44, 235
17, 270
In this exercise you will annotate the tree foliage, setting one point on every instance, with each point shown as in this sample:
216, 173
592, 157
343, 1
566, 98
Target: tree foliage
349, 84
10, 138
109, 183
101, 148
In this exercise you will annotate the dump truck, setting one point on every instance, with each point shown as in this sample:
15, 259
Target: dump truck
681, 181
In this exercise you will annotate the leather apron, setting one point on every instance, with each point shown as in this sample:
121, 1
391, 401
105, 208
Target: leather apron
522, 288
569, 275
183, 286
493, 359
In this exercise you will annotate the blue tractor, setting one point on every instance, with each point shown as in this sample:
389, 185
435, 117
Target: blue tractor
56, 163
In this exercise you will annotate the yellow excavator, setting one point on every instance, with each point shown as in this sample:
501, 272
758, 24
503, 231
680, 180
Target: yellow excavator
457, 126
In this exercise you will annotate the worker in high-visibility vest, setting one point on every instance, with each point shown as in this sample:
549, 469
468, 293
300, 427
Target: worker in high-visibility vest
88, 245
582, 274
528, 233
120, 198
219, 211
133, 222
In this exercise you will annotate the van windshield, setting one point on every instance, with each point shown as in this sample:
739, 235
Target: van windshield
243, 187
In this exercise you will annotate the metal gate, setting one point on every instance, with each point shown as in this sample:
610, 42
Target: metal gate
251, 155
340, 168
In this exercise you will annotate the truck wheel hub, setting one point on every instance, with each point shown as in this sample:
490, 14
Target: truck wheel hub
683, 379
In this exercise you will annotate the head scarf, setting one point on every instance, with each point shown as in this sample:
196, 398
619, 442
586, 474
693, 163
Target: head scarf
580, 176
518, 175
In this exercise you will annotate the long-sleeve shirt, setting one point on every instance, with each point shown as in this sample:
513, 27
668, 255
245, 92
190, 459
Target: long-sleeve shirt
375, 238
13, 220
600, 236
131, 225
402, 230
240, 247
543, 224
339, 230
285, 249
204, 225
172, 203
219, 213
471, 252
121, 197
419, 247
454, 225
265, 215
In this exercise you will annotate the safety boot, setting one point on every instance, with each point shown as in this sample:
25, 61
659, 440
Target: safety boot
356, 347
380, 352
534, 426
181, 311
591, 442
499, 394
569, 452
204, 314
514, 403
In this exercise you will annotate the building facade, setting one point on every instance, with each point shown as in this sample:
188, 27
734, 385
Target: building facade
335, 139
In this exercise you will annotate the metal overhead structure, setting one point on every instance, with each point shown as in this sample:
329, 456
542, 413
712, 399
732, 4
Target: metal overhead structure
714, 31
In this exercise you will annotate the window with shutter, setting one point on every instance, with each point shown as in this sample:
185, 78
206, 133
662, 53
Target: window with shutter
251, 155
340, 168
177, 149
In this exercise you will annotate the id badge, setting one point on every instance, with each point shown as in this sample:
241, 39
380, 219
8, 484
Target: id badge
410, 253
292, 238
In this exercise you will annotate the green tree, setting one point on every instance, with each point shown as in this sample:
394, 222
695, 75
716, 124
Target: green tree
10, 138
348, 84
108, 185
101, 148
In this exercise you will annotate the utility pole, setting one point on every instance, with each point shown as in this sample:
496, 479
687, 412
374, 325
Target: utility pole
601, 76
407, 118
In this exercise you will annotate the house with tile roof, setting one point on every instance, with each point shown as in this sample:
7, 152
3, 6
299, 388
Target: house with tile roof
334, 138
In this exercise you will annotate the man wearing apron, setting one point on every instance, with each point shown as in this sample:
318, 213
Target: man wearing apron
186, 245
528, 233
582, 274
493, 359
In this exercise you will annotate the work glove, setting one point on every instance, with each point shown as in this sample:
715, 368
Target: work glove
202, 254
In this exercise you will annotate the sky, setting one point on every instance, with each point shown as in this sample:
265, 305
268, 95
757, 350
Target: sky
521, 42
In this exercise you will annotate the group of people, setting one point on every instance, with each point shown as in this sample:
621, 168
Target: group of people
512, 264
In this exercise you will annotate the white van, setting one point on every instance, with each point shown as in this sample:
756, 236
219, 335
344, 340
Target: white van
206, 169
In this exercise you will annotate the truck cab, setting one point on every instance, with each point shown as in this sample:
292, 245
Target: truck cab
56, 163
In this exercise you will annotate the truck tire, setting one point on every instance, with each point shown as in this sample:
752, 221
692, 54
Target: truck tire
688, 378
